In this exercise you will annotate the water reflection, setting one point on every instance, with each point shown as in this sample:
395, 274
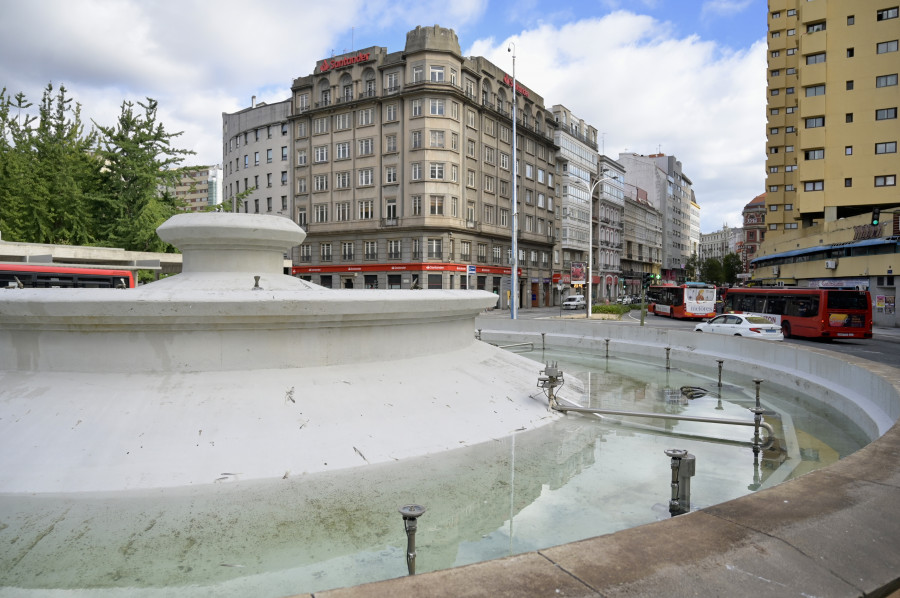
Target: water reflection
579, 477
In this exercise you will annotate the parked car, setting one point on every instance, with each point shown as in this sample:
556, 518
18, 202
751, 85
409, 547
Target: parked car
574, 302
741, 325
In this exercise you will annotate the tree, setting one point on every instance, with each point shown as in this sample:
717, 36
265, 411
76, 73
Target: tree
731, 267
711, 271
138, 178
691, 267
48, 172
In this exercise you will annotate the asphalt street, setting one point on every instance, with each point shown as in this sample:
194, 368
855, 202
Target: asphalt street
883, 347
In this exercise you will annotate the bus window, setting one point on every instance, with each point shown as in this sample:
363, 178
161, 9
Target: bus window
847, 300
775, 305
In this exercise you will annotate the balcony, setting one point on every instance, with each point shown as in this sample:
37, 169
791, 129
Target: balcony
417, 255
465, 257
472, 225
390, 222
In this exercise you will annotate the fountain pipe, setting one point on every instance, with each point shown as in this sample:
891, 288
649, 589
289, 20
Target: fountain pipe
720, 362
690, 418
607, 348
411, 514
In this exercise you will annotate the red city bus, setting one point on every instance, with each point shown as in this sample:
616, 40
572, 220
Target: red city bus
810, 313
32, 275
687, 301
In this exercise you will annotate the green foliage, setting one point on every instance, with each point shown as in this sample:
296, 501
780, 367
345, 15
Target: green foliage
111, 186
731, 267
612, 308
138, 177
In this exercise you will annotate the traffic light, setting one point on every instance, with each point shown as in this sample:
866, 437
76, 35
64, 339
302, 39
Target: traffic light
876, 216
648, 279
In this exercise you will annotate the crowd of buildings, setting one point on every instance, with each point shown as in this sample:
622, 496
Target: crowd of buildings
399, 165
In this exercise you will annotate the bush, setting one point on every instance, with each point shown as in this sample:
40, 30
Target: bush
612, 308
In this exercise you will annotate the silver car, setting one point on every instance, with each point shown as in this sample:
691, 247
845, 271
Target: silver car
574, 302
741, 325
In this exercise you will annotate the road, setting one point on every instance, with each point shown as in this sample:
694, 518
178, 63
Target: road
883, 347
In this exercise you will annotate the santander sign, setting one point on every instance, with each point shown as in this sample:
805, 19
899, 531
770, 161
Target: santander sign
337, 63
508, 81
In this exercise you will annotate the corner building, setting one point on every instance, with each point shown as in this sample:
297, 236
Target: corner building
832, 99
402, 168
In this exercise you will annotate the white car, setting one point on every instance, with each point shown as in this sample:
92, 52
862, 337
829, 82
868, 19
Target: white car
741, 325
574, 302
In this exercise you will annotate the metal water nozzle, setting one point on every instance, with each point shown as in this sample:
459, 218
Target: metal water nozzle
684, 465
411, 513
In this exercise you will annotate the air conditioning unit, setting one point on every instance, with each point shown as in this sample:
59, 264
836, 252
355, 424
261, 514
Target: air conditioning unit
830, 264
776, 270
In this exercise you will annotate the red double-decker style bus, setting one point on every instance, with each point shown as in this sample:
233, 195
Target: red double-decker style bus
810, 313
31, 275
692, 300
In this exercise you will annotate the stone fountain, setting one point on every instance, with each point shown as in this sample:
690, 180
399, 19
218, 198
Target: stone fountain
233, 371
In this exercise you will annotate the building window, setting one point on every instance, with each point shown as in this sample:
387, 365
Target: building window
364, 177
815, 58
815, 154
366, 147
394, 249
437, 170
791, 32
416, 205
850, 85
888, 180
342, 121
885, 47
390, 143
347, 251
776, 34
437, 139
773, 208
418, 74
504, 218
320, 212
371, 249
815, 122
886, 80
775, 92
390, 112
789, 90
886, 13
301, 157
320, 125
885, 113
437, 73
813, 27
848, 150
302, 129
325, 252
488, 183
437, 107
416, 107
814, 90
321, 153
283, 178
790, 225
773, 189
415, 172
788, 207
342, 150
366, 210
773, 227
321, 182
390, 174
435, 248
342, 210
437, 205
848, 182
416, 139
848, 118
788, 149
814, 185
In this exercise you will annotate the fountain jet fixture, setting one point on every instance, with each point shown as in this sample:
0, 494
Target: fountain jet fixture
411, 514
551, 377
684, 467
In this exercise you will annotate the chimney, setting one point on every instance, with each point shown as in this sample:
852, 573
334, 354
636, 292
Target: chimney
253, 101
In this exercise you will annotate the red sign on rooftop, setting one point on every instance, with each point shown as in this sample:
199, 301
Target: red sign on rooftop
337, 63
508, 81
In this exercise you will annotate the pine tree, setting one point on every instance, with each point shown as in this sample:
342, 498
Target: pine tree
139, 176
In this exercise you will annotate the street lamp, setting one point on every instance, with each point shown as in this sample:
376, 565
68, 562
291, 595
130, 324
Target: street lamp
591, 236
513, 277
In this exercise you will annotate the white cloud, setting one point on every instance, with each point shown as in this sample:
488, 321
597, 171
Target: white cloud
624, 73
645, 90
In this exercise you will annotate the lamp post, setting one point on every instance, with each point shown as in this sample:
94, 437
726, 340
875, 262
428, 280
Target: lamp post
514, 274
591, 237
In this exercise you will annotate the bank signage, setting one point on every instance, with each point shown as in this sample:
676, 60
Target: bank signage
337, 63
508, 81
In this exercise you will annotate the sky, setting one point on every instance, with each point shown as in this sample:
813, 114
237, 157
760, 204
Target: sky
681, 77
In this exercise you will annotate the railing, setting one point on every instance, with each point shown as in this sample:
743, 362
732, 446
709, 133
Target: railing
416, 255
390, 222
394, 255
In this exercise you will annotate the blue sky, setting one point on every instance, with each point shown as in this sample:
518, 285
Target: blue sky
685, 77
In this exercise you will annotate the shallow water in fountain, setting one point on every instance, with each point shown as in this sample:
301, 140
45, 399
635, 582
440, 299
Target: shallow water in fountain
576, 478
